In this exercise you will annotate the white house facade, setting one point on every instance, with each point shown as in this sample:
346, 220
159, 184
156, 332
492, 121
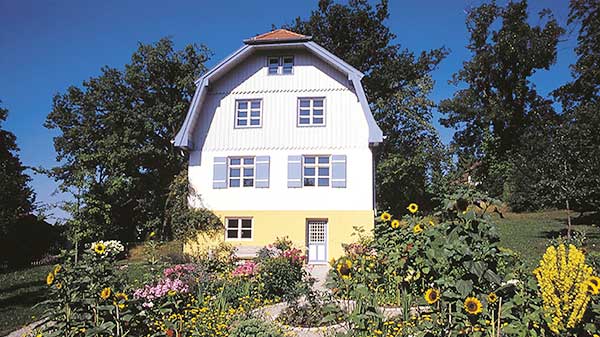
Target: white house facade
279, 137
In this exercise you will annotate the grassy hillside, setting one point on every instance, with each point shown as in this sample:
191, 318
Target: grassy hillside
528, 233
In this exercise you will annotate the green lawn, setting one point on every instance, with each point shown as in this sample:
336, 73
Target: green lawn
19, 291
528, 233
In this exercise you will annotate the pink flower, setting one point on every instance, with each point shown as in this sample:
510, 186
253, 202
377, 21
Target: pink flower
247, 269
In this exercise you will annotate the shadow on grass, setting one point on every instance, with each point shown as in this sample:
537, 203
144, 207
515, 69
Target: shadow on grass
15, 287
590, 219
27, 299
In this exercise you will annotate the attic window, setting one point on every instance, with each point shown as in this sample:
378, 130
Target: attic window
280, 65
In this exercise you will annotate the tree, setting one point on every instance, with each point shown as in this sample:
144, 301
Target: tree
499, 101
114, 146
580, 100
16, 197
396, 82
182, 222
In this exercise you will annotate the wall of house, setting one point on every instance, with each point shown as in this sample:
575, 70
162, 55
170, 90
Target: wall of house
345, 125
279, 210
357, 195
292, 224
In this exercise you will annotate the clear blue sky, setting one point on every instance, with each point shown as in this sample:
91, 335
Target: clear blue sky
46, 46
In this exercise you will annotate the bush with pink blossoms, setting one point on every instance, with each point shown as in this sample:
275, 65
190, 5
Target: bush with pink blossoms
248, 269
294, 255
176, 279
165, 286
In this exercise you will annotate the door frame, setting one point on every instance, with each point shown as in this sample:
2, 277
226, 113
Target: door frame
326, 244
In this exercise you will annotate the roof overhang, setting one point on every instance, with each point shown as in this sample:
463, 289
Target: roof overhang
183, 139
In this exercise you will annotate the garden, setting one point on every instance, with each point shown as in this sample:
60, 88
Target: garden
443, 274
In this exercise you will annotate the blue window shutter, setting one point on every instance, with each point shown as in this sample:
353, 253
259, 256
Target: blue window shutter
220, 172
338, 171
262, 172
294, 171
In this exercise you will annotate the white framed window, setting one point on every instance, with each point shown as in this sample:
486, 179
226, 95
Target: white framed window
316, 171
280, 65
248, 113
311, 111
241, 171
238, 228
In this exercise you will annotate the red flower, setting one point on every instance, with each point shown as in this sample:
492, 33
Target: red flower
170, 333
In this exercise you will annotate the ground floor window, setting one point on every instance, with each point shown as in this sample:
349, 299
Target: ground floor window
238, 229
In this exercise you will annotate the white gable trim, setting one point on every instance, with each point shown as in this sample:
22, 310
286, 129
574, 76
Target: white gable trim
183, 139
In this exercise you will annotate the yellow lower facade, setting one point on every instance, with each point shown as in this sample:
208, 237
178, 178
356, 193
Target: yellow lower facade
267, 226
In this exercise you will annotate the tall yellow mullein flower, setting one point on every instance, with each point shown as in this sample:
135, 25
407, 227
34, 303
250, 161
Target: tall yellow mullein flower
563, 278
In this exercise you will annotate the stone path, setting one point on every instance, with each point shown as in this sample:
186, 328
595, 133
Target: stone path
24, 331
319, 272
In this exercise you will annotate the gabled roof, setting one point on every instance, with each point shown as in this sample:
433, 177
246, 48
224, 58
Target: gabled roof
277, 38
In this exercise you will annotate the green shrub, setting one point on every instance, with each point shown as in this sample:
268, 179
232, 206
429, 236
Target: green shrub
282, 278
255, 328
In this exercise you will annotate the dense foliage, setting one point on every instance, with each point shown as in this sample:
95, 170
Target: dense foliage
499, 101
447, 276
16, 197
181, 221
114, 140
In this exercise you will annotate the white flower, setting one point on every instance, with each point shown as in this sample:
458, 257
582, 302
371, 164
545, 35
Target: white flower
113, 247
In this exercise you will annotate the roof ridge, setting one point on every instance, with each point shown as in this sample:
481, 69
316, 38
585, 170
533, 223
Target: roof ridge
278, 35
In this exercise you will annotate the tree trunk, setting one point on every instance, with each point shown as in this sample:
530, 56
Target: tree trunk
568, 220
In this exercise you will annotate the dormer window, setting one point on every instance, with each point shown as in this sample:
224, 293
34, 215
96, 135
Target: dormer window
311, 111
280, 65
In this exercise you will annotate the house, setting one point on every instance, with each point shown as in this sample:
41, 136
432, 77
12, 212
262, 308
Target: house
279, 136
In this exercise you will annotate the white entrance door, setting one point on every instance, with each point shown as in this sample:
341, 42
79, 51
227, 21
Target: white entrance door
317, 241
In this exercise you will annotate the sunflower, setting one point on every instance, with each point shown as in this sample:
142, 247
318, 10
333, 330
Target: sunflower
50, 278
432, 295
120, 297
105, 293
492, 297
395, 223
385, 216
58, 285
57, 268
473, 306
417, 229
344, 268
413, 208
99, 248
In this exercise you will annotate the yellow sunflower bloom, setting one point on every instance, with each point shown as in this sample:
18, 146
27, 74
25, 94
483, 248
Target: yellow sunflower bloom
100, 248
473, 306
50, 278
385, 216
57, 268
105, 293
492, 297
417, 229
344, 269
432, 295
395, 223
413, 208
58, 285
